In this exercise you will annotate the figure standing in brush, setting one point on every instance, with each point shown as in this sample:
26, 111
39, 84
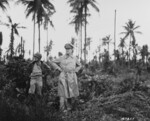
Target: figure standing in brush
37, 70
68, 65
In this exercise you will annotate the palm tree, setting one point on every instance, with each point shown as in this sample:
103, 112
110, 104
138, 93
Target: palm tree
86, 3
48, 48
14, 30
3, 7
88, 44
130, 30
47, 21
78, 19
20, 48
45, 10
3, 3
122, 45
134, 50
31, 8
1, 41
144, 53
106, 41
83, 5
39, 9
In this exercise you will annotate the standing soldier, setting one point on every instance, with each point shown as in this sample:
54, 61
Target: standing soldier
68, 65
37, 70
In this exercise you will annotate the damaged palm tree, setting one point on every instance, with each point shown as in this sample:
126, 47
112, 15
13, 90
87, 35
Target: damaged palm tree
14, 30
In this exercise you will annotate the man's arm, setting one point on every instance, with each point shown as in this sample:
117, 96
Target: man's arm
54, 64
47, 66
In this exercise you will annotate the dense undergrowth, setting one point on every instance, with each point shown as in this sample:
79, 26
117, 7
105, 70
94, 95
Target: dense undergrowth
103, 97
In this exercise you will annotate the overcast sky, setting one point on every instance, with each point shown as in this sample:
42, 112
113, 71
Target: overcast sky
100, 24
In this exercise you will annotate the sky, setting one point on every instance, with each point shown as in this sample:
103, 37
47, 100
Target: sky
100, 24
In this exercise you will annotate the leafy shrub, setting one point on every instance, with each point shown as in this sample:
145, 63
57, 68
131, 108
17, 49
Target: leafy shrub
16, 71
104, 98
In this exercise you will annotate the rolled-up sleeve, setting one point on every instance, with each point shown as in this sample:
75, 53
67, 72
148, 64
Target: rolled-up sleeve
55, 63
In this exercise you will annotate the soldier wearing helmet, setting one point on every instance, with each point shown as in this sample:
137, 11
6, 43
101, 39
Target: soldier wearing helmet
37, 56
37, 70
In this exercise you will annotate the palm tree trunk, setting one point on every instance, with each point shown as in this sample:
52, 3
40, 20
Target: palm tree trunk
39, 37
12, 43
114, 34
85, 34
34, 35
89, 51
23, 49
108, 48
129, 49
47, 43
81, 38
122, 56
21, 46
0, 53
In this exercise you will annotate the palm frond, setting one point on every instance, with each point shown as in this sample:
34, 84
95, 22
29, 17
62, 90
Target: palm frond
21, 27
9, 19
138, 32
3, 3
136, 27
16, 31
127, 34
94, 5
5, 24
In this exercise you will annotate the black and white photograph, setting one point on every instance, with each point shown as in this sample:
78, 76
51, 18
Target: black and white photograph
74, 60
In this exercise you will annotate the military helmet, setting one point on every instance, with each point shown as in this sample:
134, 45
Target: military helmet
38, 55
